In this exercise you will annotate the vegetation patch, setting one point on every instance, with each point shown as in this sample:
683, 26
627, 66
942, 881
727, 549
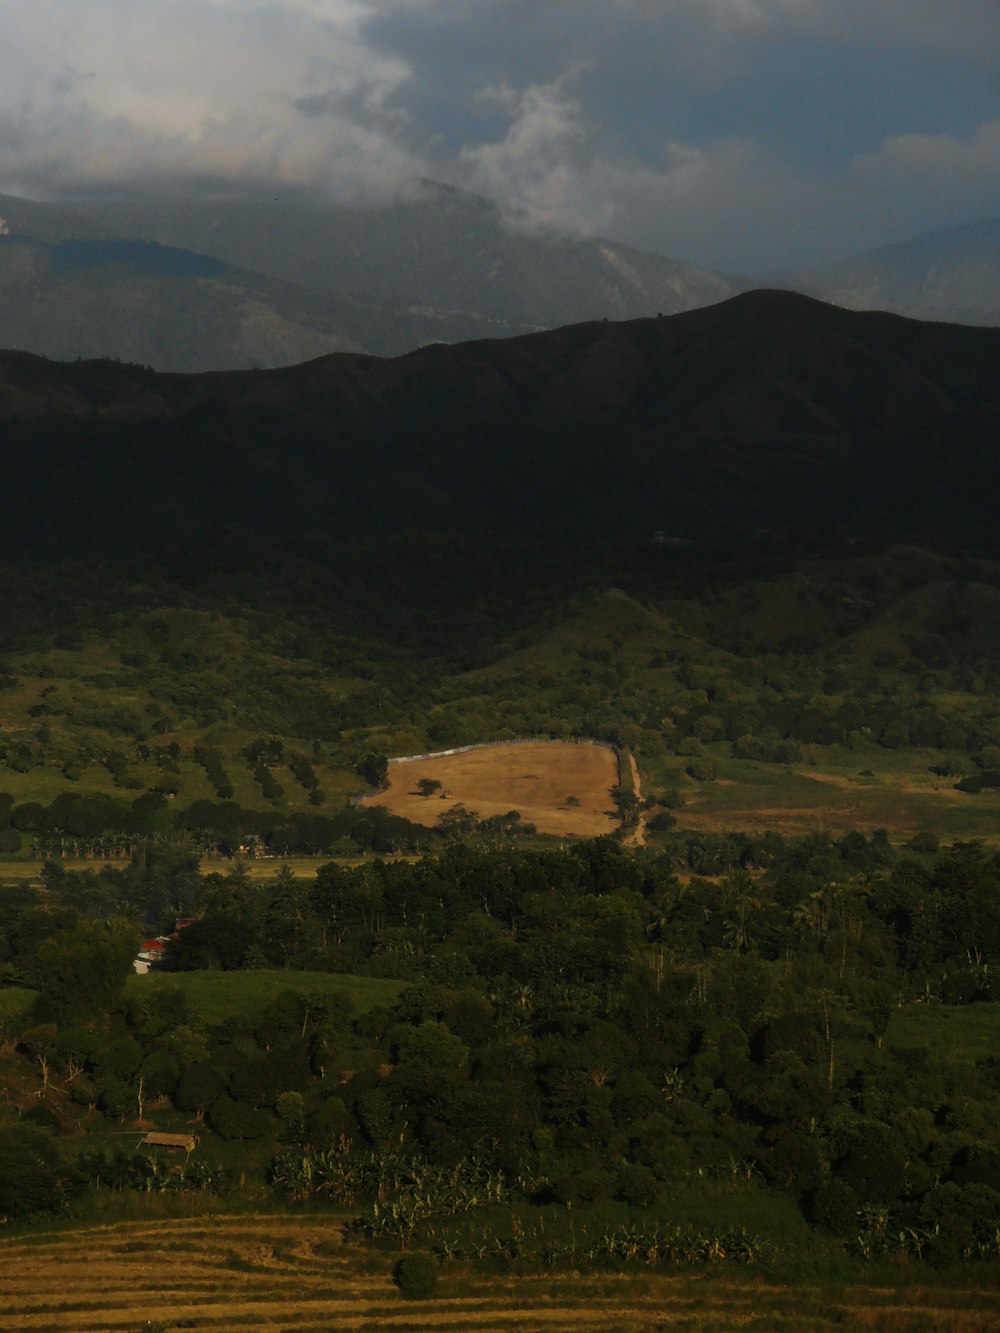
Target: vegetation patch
219, 995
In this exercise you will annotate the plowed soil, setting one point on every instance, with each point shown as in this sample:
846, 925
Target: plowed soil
535, 779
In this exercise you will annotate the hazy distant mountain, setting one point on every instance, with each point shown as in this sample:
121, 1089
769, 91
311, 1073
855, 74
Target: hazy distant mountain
91, 297
443, 267
768, 411
951, 275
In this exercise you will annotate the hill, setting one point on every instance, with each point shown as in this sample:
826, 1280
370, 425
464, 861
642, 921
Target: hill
952, 274
746, 542
227, 283
769, 410
155, 304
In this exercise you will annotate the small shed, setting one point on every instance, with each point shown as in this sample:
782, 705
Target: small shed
179, 1142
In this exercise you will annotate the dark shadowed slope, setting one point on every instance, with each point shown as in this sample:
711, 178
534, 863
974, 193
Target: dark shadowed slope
769, 410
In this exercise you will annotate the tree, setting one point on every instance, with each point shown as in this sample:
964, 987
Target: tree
41, 1042
32, 1177
199, 1086
83, 970
374, 768
458, 823
433, 1064
428, 786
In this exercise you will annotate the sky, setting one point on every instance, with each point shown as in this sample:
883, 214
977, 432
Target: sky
745, 135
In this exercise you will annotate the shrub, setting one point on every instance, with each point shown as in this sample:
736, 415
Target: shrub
44, 1117
661, 823
303, 771
271, 788
835, 1207
416, 1275
638, 1186
31, 1173
235, 1120
211, 762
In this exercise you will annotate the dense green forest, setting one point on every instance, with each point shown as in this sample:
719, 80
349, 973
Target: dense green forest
590, 1036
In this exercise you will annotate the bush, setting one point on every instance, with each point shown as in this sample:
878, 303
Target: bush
661, 823
211, 762
235, 1120
271, 788
31, 1172
416, 1275
10, 841
638, 1186
44, 1117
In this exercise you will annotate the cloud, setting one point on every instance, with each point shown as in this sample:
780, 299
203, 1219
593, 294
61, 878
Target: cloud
539, 167
934, 175
699, 202
730, 201
101, 91
739, 133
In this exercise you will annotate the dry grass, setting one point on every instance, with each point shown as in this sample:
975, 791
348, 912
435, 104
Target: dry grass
274, 1273
535, 779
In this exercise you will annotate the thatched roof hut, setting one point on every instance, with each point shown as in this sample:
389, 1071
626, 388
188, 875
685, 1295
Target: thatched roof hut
182, 1142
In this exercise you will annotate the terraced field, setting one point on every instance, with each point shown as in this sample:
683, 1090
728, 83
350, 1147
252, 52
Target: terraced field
282, 1274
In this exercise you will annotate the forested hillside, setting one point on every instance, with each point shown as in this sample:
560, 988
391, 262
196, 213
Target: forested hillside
751, 549
594, 1056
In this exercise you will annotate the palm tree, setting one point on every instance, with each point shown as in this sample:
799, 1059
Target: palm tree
736, 927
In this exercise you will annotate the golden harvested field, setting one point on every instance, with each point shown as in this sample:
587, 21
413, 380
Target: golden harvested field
276, 1274
535, 778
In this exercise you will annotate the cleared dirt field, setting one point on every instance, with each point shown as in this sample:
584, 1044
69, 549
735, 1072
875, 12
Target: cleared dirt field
276, 1274
535, 778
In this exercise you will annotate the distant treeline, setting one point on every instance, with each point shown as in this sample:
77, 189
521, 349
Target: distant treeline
81, 823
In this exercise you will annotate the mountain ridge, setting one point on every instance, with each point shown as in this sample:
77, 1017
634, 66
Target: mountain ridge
445, 267
767, 409
950, 274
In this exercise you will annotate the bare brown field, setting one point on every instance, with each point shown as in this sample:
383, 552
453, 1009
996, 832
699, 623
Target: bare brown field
277, 1274
534, 778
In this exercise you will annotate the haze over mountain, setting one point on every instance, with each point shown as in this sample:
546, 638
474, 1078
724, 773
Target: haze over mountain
198, 283
770, 410
952, 274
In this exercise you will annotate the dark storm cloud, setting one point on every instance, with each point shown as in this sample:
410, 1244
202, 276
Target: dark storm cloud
739, 133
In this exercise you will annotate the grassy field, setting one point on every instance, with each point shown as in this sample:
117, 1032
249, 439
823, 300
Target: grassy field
535, 779
278, 1273
951, 1034
831, 790
219, 995
14, 1000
